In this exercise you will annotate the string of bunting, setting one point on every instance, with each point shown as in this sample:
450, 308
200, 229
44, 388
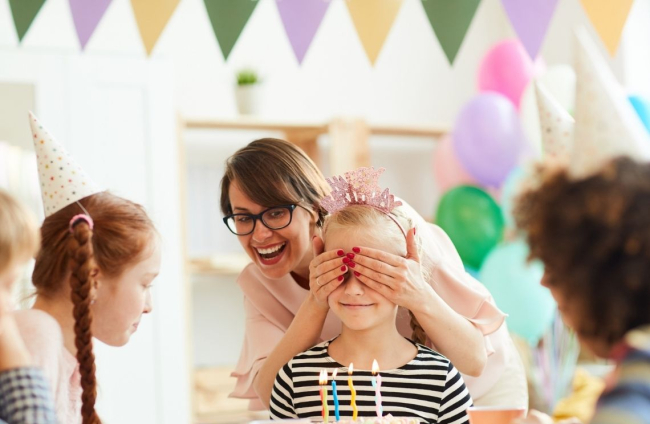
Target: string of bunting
372, 19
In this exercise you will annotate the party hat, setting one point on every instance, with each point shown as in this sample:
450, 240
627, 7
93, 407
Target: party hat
606, 124
556, 126
63, 182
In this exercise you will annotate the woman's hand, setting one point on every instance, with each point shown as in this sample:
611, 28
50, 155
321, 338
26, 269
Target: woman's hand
398, 279
326, 272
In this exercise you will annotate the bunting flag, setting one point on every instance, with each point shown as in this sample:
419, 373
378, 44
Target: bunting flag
530, 19
301, 19
608, 18
373, 20
86, 16
450, 21
152, 17
228, 19
24, 12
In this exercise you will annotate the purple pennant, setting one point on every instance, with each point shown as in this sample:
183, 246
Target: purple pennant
530, 19
86, 15
301, 19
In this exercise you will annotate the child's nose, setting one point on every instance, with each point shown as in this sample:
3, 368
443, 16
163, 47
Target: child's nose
353, 286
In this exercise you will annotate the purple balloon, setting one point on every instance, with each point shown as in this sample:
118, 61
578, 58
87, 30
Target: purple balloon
488, 138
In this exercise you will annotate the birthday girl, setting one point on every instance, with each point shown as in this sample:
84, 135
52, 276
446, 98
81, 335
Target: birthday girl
414, 381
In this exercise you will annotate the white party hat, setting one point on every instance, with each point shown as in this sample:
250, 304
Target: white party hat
606, 124
556, 127
63, 182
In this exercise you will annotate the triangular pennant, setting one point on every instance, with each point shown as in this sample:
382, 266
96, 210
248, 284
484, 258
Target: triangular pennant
606, 123
301, 19
450, 21
556, 125
152, 17
608, 18
373, 20
228, 19
530, 19
63, 181
86, 16
24, 13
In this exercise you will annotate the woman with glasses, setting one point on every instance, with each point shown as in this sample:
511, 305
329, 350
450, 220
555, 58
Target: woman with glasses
270, 195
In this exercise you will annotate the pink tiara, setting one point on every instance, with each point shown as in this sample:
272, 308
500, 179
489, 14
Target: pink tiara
359, 187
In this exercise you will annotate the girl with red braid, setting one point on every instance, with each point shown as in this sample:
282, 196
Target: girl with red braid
99, 255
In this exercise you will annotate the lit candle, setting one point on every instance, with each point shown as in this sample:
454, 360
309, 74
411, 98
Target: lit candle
353, 394
376, 383
322, 380
335, 395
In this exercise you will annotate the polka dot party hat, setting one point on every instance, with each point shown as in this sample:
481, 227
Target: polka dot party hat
63, 182
606, 124
556, 125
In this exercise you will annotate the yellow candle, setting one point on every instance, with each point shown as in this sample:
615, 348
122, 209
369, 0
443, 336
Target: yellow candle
353, 394
322, 380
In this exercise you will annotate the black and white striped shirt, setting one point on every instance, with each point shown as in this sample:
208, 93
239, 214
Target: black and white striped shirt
428, 388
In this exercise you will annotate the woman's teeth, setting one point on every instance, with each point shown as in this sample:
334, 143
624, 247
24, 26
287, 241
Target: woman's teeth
270, 250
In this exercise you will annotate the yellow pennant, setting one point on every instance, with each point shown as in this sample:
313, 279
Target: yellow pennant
152, 17
373, 20
608, 17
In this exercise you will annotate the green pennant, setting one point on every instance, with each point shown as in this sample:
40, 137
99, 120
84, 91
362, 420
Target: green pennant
450, 21
24, 12
228, 19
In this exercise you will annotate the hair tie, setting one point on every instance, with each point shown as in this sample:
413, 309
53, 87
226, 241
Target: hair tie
81, 217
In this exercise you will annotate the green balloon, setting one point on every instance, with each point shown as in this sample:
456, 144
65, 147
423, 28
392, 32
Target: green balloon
473, 221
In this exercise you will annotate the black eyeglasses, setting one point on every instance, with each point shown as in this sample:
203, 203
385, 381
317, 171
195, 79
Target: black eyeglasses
274, 218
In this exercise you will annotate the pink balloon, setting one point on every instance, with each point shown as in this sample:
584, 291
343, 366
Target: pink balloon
447, 169
507, 69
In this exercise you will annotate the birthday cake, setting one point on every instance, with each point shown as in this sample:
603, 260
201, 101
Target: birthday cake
388, 419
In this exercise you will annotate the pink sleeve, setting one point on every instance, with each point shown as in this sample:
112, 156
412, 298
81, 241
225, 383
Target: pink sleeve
455, 286
261, 337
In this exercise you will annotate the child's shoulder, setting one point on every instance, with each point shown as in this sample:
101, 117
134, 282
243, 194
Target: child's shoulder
39, 330
428, 355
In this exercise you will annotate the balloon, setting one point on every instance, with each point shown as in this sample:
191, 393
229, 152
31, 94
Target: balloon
642, 108
447, 170
515, 285
488, 139
473, 221
507, 69
509, 191
560, 81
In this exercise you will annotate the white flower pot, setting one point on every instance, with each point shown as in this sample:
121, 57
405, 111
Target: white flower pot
249, 99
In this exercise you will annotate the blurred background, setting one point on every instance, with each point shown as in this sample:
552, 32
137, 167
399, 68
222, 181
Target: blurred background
151, 97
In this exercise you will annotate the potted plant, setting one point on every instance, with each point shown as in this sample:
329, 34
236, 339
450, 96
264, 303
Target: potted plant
248, 92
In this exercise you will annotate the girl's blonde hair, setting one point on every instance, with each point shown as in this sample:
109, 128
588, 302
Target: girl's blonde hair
19, 238
384, 230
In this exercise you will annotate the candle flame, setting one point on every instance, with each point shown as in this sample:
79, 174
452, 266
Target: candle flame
375, 367
350, 369
322, 379
334, 373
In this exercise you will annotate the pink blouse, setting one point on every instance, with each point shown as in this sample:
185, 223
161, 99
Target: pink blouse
271, 305
44, 340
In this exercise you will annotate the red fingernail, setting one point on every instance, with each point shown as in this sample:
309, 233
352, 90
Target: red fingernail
346, 260
340, 252
356, 250
352, 264
350, 255
356, 274
344, 268
340, 278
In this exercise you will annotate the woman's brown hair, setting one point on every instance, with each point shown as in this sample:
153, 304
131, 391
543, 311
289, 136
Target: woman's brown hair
383, 229
120, 236
273, 172
593, 236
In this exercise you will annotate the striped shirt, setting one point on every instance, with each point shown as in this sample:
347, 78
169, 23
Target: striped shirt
628, 401
427, 388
